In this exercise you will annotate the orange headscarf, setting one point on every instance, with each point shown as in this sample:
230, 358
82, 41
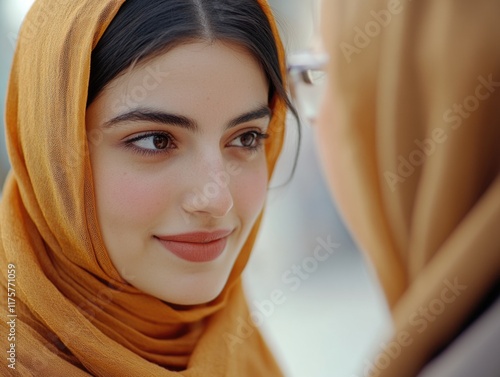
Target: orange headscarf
75, 314
417, 160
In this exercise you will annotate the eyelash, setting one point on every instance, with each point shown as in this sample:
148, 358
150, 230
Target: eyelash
259, 137
149, 152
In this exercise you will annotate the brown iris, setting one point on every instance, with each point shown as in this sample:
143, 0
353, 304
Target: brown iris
248, 139
160, 141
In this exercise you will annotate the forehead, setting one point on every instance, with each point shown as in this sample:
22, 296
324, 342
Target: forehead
190, 77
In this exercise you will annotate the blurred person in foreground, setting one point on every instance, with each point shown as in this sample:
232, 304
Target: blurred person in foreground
409, 136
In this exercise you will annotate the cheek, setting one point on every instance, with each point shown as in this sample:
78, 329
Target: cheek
127, 198
250, 191
327, 141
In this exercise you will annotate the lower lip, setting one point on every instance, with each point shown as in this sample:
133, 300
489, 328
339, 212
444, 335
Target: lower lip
196, 252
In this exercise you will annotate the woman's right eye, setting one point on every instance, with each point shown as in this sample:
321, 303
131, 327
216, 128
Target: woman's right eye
151, 143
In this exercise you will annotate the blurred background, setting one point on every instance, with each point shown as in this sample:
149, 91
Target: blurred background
321, 317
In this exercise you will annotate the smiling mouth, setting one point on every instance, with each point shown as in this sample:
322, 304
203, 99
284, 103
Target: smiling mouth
196, 246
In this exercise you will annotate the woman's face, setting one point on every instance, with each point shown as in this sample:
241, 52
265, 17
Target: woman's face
179, 167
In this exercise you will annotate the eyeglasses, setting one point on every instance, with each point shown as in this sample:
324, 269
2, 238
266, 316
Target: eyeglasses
307, 80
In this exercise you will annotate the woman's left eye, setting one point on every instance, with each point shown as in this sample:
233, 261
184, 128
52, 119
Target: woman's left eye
249, 140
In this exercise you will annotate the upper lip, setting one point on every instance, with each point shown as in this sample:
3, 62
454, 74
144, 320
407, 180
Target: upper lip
197, 237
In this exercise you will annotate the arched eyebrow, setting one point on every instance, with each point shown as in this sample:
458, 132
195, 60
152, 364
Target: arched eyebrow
259, 113
157, 116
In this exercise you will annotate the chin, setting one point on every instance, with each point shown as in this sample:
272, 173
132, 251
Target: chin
194, 298
191, 291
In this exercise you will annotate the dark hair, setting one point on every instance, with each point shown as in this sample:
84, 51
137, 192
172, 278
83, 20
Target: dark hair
143, 29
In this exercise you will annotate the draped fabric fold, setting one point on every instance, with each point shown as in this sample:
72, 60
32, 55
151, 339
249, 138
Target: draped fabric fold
418, 146
75, 314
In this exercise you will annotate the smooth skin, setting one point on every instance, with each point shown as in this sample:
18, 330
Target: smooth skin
176, 146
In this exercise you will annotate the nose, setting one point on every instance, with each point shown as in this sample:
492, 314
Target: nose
211, 195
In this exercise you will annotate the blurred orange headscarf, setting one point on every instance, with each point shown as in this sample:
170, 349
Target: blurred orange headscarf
75, 315
416, 160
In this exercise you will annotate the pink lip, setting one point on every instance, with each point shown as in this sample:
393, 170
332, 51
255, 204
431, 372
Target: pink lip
196, 246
